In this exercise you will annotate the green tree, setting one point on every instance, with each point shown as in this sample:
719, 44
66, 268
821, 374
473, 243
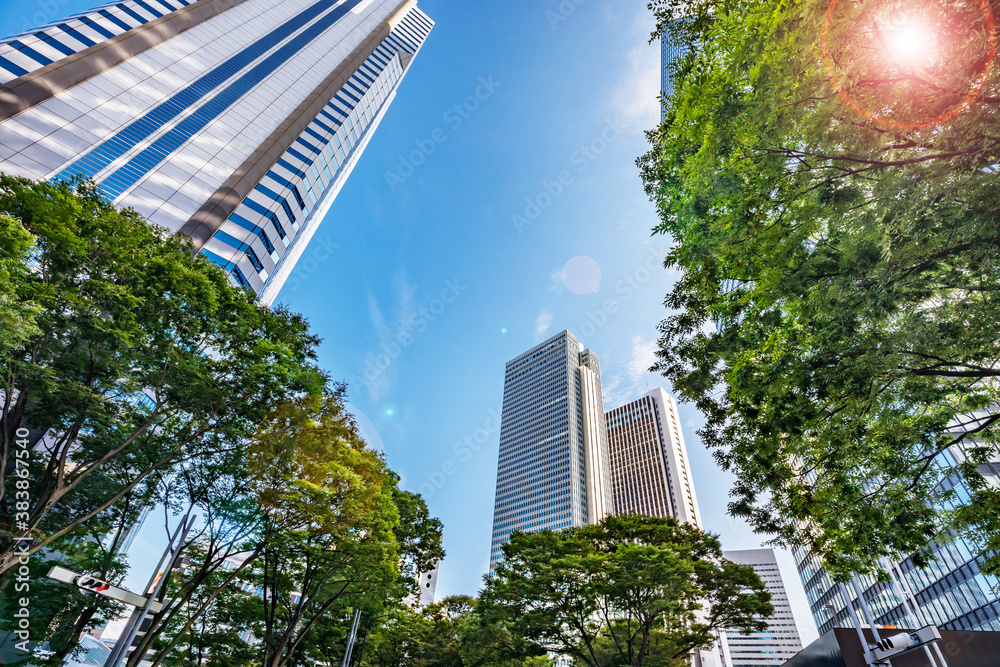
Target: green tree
308, 517
17, 317
215, 558
397, 640
339, 534
448, 632
121, 308
833, 210
632, 590
218, 624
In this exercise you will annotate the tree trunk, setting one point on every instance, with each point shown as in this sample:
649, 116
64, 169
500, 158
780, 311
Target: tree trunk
73, 635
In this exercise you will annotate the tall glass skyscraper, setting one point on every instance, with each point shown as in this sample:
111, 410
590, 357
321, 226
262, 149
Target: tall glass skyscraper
951, 592
553, 467
233, 121
650, 473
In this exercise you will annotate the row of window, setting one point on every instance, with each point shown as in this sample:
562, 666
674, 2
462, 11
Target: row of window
523, 500
510, 522
543, 472
124, 177
312, 163
26, 52
531, 355
541, 451
545, 483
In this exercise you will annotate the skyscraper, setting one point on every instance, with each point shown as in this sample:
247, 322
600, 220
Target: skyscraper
669, 53
428, 585
781, 639
649, 463
233, 121
951, 592
553, 465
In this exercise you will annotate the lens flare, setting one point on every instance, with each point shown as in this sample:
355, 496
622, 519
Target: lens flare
908, 64
909, 41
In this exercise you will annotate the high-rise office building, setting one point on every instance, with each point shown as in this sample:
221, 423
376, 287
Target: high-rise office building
428, 585
553, 465
669, 53
650, 473
781, 639
950, 593
233, 121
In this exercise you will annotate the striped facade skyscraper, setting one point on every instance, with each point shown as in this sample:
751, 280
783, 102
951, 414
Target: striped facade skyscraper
650, 473
553, 467
781, 640
233, 121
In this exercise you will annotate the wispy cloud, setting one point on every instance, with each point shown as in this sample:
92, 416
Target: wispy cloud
643, 356
542, 324
611, 391
635, 99
377, 318
404, 292
629, 383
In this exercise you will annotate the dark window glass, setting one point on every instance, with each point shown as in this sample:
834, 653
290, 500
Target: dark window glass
30, 52
106, 153
114, 19
16, 70
97, 27
55, 43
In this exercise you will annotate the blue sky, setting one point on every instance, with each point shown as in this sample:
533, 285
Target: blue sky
497, 204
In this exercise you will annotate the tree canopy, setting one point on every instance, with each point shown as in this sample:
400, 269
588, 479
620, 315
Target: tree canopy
632, 590
334, 534
128, 355
832, 199
145, 378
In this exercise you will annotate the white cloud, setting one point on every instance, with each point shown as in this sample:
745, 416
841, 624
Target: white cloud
377, 318
635, 100
542, 324
612, 393
629, 383
643, 356
557, 285
379, 365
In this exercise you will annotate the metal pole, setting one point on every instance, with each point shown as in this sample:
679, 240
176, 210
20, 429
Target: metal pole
869, 658
352, 637
115, 657
864, 607
920, 612
898, 591
138, 616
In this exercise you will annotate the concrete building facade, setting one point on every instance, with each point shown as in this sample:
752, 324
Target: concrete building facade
650, 473
781, 640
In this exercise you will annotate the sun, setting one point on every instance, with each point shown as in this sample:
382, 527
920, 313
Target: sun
908, 64
909, 41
